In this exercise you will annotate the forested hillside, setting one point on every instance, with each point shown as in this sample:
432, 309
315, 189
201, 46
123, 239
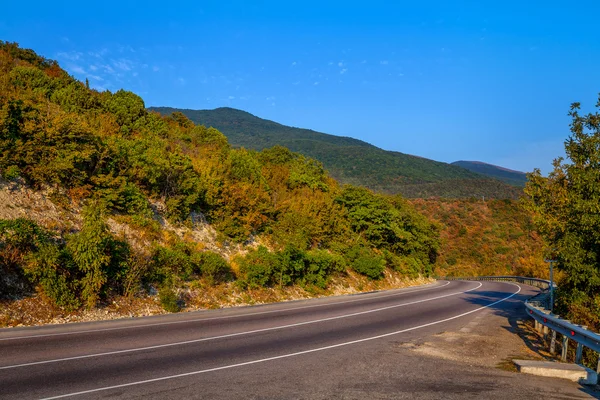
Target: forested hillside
140, 186
353, 161
492, 237
509, 176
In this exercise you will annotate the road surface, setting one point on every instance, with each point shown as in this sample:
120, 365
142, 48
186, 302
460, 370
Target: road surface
336, 347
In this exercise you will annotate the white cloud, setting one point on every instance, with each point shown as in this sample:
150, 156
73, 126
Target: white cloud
384, 62
71, 55
76, 69
231, 98
93, 68
343, 71
181, 81
123, 64
98, 54
316, 83
341, 64
294, 64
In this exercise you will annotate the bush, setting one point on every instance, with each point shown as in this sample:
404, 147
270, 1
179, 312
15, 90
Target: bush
366, 262
258, 267
321, 264
175, 260
168, 299
213, 267
98, 256
52, 268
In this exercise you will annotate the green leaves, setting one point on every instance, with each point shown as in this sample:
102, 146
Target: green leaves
127, 107
566, 206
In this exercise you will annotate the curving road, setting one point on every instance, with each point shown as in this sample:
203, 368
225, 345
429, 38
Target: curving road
321, 348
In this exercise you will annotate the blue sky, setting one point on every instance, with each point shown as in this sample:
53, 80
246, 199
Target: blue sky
481, 80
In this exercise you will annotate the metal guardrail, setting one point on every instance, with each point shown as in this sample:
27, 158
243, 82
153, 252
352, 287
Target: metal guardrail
538, 309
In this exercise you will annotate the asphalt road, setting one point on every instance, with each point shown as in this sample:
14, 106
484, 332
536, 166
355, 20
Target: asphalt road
337, 347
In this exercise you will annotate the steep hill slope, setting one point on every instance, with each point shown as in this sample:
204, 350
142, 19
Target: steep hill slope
478, 237
101, 200
350, 160
516, 178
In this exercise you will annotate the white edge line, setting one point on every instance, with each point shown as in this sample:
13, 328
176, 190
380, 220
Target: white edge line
283, 355
231, 334
224, 317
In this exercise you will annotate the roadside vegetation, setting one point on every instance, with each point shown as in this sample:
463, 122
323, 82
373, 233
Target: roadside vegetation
155, 207
106, 157
565, 206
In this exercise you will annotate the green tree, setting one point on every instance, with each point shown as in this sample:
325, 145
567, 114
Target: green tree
566, 207
91, 249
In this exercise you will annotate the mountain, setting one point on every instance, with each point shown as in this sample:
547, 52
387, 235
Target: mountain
515, 178
350, 160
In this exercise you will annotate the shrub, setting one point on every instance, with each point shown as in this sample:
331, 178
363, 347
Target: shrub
53, 269
258, 267
366, 262
97, 255
168, 299
174, 260
213, 267
320, 265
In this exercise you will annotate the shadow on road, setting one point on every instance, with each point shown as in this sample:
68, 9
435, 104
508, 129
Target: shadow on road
519, 323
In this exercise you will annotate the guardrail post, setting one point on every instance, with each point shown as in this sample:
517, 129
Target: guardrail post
579, 353
598, 367
553, 343
545, 331
565, 347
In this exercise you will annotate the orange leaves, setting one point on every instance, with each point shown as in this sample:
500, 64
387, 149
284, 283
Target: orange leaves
494, 237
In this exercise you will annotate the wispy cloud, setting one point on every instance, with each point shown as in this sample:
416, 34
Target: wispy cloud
384, 62
99, 53
123, 64
77, 69
114, 66
70, 56
343, 71
294, 63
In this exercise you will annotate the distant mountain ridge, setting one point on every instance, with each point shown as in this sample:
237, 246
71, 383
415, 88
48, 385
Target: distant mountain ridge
351, 160
512, 177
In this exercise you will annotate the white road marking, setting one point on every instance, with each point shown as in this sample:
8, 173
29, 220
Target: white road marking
224, 317
232, 334
280, 356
